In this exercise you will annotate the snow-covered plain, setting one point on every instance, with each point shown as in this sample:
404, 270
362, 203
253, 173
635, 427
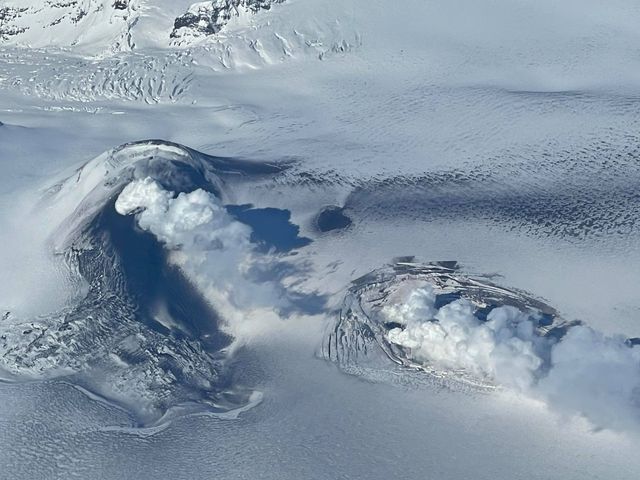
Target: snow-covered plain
502, 135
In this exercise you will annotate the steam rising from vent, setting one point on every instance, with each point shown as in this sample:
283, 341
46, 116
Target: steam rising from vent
194, 221
216, 253
211, 248
583, 372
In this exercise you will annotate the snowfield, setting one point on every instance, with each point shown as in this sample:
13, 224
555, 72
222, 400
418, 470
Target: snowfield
319, 239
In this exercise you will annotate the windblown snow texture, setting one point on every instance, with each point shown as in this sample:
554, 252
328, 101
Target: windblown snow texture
163, 306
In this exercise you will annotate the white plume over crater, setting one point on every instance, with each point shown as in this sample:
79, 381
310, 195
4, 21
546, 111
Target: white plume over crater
193, 220
584, 372
214, 250
500, 134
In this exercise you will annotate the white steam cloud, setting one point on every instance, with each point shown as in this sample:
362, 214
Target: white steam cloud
584, 373
194, 221
213, 249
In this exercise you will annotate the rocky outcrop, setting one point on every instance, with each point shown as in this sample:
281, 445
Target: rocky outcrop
81, 23
208, 18
121, 4
65, 23
7, 16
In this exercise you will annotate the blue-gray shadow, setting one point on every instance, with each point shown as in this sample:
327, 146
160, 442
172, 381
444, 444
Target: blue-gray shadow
272, 229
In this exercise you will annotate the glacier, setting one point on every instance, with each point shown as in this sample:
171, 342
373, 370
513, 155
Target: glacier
319, 239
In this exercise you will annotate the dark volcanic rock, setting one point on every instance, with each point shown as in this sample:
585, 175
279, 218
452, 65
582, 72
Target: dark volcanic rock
208, 18
8, 15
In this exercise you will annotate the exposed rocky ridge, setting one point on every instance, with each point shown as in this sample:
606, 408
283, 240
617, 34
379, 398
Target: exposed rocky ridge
208, 18
67, 22
70, 23
7, 15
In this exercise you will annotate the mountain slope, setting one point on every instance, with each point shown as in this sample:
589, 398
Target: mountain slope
98, 26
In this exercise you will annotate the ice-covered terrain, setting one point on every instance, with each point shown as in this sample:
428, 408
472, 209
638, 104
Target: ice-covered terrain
319, 239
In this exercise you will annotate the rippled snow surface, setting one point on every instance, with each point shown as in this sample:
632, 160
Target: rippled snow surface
329, 240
